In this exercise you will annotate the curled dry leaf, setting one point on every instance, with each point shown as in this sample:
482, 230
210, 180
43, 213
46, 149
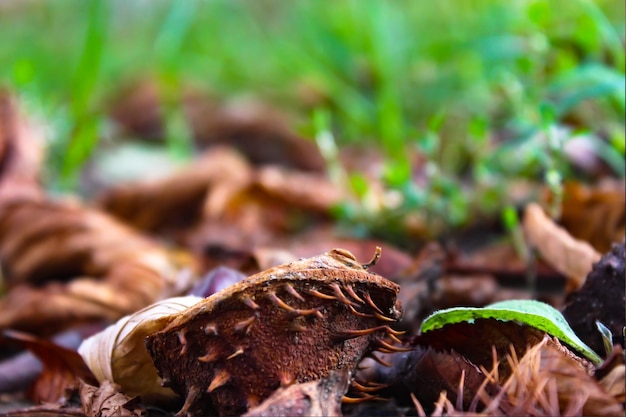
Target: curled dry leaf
276, 202
107, 401
595, 214
62, 368
112, 271
222, 245
18, 372
321, 398
262, 133
233, 205
305, 190
571, 257
292, 323
177, 200
117, 354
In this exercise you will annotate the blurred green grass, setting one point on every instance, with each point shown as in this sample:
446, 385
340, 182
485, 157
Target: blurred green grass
449, 77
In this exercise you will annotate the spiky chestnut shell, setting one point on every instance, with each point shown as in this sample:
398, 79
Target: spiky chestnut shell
293, 323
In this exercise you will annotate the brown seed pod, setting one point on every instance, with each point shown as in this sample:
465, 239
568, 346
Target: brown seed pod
293, 323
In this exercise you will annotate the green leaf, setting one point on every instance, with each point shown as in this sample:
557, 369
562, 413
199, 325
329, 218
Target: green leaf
530, 312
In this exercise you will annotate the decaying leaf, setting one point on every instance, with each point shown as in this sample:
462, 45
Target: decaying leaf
275, 204
602, 299
223, 245
112, 270
263, 134
310, 192
107, 401
292, 323
320, 398
571, 257
62, 368
222, 204
178, 200
117, 354
62, 263
595, 214
20, 371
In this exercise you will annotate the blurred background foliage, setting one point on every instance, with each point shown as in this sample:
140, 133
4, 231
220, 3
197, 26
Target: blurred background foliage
485, 90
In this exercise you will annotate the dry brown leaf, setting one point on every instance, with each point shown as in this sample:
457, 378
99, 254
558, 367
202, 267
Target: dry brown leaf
595, 214
62, 368
19, 371
266, 213
261, 133
305, 190
44, 244
136, 109
276, 201
236, 208
179, 200
571, 257
107, 401
112, 270
503, 261
267, 258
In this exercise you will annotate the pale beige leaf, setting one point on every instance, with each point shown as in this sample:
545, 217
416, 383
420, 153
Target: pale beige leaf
118, 353
571, 257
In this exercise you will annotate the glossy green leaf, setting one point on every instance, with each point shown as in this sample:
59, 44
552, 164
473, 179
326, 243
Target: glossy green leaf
532, 313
